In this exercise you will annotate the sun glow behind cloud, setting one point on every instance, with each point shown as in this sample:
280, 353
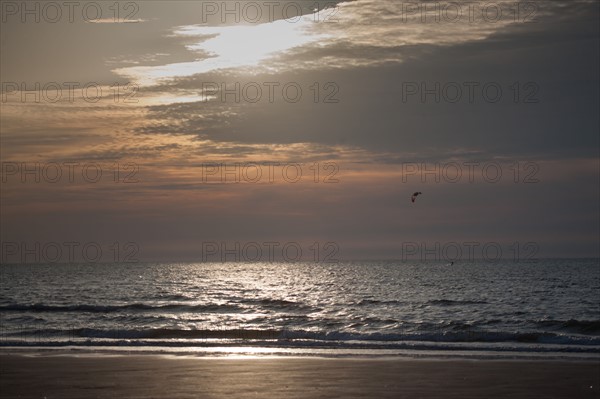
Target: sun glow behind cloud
229, 47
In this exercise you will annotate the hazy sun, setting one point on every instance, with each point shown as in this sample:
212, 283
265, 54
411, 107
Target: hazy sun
224, 47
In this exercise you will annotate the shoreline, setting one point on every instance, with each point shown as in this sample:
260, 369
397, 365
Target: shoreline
303, 353
65, 375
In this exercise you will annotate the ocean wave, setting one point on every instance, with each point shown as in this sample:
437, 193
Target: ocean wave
572, 325
174, 307
448, 302
366, 302
279, 304
286, 337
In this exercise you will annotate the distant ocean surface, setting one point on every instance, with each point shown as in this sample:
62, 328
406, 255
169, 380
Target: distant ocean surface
535, 308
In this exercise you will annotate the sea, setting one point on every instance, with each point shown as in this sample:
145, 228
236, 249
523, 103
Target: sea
548, 308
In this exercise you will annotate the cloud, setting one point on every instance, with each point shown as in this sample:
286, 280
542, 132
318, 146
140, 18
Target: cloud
555, 53
225, 48
350, 40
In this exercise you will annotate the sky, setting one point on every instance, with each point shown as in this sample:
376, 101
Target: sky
158, 130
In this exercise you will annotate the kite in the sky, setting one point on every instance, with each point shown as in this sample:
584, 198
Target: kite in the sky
414, 196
